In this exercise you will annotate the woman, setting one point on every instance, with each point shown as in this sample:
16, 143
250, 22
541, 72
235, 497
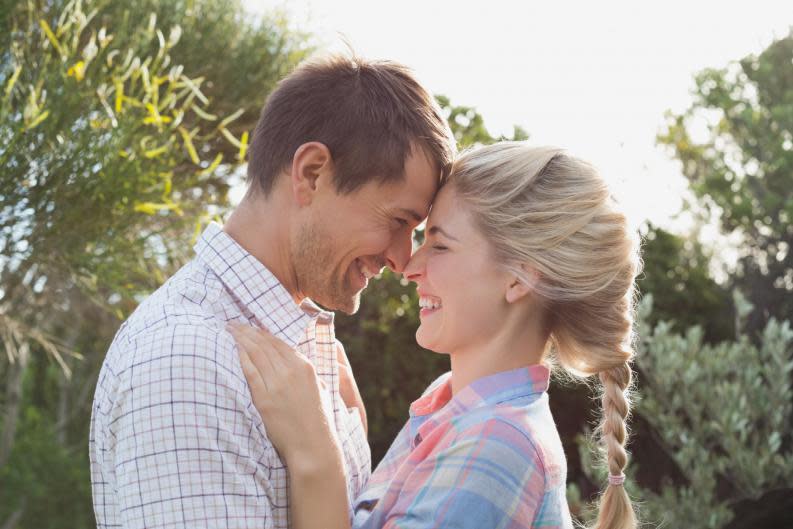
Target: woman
527, 261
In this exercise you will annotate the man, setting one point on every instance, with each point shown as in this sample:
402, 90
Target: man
344, 163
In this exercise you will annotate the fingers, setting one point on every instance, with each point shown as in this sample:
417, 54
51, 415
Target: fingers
256, 383
257, 366
261, 353
283, 351
258, 341
274, 360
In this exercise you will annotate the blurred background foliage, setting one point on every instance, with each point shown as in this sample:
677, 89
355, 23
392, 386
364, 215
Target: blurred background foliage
123, 126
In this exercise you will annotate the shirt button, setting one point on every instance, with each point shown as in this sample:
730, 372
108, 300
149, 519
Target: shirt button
417, 439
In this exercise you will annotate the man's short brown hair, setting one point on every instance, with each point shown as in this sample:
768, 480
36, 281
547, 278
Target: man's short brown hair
369, 114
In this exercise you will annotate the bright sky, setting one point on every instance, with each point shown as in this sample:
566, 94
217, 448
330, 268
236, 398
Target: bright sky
594, 77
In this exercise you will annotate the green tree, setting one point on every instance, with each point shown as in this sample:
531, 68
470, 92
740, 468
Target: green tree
684, 293
743, 170
716, 409
119, 132
721, 413
469, 128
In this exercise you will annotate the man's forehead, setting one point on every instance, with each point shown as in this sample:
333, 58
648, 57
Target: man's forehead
421, 179
412, 203
411, 196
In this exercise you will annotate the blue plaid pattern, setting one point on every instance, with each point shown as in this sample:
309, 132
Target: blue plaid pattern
488, 457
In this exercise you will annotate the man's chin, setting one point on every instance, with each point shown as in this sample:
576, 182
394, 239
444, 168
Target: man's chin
352, 305
346, 304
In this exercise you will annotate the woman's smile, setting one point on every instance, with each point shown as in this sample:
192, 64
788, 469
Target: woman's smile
429, 305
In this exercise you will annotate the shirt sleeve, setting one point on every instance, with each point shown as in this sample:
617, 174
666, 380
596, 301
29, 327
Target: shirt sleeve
189, 449
489, 476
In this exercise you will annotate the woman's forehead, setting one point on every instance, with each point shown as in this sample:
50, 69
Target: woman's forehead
444, 203
448, 211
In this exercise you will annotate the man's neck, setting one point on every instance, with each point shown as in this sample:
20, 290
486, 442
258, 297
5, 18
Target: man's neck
261, 226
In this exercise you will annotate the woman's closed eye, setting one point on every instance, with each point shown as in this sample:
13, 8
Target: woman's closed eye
439, 247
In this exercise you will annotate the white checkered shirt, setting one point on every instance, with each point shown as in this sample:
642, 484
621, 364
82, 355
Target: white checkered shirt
175, 439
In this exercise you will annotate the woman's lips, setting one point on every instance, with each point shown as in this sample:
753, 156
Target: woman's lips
429, 304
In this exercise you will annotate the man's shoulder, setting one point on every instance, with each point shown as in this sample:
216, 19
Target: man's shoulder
180, 364
181, 325
190, 296
182, 341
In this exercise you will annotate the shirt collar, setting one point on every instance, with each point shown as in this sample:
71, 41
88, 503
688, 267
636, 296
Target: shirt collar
488, 390
255, 287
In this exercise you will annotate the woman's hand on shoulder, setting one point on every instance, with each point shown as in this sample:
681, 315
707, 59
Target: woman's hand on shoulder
286, 392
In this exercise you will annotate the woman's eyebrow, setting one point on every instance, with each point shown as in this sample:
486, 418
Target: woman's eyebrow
437, 229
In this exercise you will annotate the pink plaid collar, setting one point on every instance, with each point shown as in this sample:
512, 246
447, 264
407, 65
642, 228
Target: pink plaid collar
488, 390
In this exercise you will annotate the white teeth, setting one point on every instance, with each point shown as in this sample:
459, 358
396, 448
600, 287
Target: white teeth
429, 302
368, 274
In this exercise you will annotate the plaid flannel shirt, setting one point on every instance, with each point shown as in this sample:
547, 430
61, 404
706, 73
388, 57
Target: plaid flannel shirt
488, 457
175, 439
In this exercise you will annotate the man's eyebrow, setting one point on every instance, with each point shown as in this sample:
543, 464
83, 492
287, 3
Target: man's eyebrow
412, 213
437, 229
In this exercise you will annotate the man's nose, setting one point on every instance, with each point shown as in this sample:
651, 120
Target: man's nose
413, 269
398, 254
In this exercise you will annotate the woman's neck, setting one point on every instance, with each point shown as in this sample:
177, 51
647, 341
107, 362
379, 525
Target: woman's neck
518, 344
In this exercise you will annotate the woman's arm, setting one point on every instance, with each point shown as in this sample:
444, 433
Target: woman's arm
318, 490
286, 391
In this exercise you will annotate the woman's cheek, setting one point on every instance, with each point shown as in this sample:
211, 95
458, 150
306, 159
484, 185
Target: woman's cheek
435, 272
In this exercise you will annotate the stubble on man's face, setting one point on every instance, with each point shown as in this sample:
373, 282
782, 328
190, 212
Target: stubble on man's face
319, 279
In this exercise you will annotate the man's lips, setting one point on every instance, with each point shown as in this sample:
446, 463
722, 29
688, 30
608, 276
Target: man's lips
363, 272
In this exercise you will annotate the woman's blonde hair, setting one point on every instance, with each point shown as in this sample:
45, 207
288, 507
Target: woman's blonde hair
544, 209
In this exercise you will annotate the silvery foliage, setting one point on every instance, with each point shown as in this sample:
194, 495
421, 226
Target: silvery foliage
721, 412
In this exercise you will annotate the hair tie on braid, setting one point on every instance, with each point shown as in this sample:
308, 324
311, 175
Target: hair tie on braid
617, 480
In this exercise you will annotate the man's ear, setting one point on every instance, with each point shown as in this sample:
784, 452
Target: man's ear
520, 287
312, 167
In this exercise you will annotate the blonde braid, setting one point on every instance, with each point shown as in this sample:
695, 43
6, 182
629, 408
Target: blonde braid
616, 409
616, 510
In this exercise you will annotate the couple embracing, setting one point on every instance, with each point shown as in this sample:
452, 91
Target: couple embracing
226, 401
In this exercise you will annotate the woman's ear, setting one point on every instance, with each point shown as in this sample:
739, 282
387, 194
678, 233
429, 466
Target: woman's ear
311, 164
520, 287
